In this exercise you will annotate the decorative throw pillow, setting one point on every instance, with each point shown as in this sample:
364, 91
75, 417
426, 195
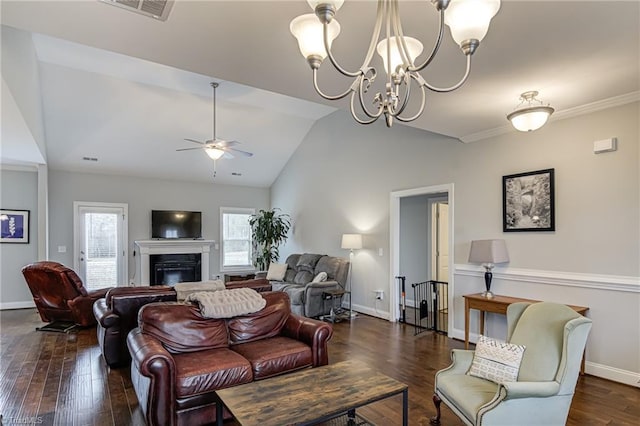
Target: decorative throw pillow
496, 361
322, 276
276, 271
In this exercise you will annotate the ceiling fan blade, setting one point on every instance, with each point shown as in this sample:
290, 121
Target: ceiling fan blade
228, 143
195, 141
187, 149
245, 153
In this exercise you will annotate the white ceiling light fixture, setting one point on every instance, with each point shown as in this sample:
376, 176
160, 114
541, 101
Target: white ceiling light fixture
468, 21
530, 114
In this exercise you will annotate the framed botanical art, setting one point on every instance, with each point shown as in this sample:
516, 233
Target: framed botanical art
14, 226
528, 202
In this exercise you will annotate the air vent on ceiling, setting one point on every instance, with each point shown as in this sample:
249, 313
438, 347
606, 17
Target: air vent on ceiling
157, 9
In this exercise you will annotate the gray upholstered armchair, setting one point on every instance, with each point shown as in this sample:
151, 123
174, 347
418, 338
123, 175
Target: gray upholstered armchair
555, 337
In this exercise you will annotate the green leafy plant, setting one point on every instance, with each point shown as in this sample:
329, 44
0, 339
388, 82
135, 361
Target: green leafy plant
268, 231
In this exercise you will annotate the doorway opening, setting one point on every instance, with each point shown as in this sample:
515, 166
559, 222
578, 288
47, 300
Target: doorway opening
421, 251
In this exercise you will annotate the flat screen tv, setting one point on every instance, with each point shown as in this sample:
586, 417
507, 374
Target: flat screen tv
176, 224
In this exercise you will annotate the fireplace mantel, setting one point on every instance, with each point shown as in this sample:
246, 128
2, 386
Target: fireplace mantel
146, 248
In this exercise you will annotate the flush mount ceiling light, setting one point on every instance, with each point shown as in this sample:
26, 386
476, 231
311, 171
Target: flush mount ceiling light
468, 21
530, 114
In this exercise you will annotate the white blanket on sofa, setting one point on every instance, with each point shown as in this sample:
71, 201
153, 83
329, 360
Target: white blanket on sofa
228, 303
186, 288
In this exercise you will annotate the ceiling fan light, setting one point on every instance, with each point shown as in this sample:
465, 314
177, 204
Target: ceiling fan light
214, 153
414, 48
309, 32
470, 19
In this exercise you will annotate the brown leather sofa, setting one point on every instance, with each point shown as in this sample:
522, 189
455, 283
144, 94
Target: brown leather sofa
180, 358
117, 314
59, 294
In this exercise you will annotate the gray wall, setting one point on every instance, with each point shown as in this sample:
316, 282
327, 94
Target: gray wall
340, 178
415, 241
142, 196
18, 191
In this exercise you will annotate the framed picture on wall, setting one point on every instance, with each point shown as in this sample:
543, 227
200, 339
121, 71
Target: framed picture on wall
528, 202
14, 226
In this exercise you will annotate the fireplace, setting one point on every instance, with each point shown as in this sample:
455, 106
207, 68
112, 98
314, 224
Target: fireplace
169, 269
145, 273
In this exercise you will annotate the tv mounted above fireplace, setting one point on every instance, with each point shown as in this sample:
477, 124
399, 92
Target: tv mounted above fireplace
174, 224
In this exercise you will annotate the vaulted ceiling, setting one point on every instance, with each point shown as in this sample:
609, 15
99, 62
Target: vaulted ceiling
126, 89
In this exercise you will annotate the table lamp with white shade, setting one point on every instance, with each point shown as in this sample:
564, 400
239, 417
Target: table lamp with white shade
488, 253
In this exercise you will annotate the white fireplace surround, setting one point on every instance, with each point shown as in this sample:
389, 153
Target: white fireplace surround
145, 248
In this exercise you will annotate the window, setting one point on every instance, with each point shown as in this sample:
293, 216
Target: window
235, 249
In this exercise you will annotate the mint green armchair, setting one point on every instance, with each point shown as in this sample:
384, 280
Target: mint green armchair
555, 337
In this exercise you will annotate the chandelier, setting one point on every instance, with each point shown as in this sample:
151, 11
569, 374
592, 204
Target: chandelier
531, 114
468, 21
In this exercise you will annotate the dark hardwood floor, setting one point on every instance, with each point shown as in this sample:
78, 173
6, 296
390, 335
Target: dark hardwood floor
60, 379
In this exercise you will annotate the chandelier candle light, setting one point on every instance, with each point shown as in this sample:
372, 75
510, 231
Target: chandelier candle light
488, 252
468, 21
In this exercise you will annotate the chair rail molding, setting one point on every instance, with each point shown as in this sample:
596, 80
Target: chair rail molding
570, 279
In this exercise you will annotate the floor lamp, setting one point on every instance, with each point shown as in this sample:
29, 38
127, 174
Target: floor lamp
351, 242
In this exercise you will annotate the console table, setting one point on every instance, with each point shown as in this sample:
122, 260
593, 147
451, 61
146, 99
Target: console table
498, 304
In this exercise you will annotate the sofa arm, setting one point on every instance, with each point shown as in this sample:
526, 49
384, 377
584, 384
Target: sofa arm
530, 389
152, 361
105, 317
82, 307
261, 274
312, 332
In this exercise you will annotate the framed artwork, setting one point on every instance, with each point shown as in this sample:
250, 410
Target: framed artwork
14, 226
528, 202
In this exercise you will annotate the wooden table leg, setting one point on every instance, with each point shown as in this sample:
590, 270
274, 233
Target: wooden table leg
482, 322
466, 323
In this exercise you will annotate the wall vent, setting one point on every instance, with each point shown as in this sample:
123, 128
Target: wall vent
157, 9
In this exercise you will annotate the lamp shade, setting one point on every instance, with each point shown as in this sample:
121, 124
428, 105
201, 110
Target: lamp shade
337, 4
414, 48
488, 251
351, 241
469, 19
309, 32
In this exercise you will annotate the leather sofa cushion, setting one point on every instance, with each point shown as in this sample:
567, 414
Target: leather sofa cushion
303, 277
275, 356
206, 371
262, 324
181, 328
307, 262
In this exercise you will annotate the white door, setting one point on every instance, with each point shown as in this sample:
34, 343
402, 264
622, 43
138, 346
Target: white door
442, 242
100, 244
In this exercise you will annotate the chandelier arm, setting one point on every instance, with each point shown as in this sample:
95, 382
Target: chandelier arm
400, 40
420, 111
361, 90
407, 95
372, 47
436, 46
331, 97
452, 88
358, 119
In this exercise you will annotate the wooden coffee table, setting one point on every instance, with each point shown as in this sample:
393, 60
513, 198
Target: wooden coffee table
310, 396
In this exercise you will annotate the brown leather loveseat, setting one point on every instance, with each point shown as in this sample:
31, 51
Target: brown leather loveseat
117, 314
180, 358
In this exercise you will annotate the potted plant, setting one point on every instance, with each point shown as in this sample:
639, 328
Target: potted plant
268, 231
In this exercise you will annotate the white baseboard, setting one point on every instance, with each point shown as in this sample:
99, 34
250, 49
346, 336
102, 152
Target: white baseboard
373, 312
17, 305
599, 370
612, 373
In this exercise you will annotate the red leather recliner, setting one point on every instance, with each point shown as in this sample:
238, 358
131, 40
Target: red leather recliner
59, 293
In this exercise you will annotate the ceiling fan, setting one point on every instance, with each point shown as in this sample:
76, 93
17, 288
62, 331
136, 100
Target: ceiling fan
217, 148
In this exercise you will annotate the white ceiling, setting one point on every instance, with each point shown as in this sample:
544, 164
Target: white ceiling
127, 89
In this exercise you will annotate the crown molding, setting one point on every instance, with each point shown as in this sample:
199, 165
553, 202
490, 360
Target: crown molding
560, 115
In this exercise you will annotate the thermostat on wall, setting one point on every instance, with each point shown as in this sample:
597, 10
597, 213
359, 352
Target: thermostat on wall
605, 145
